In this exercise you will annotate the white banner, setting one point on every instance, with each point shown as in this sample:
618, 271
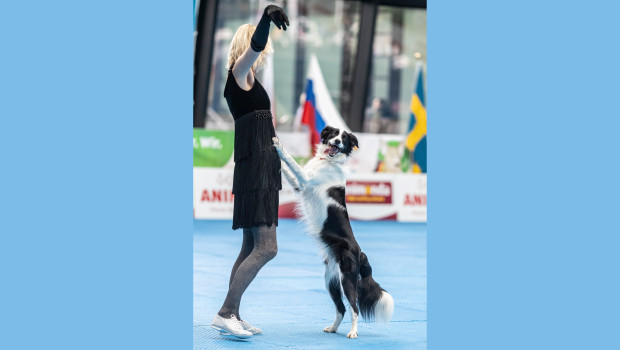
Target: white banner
410, 197
369, 196
213, 198
387, 196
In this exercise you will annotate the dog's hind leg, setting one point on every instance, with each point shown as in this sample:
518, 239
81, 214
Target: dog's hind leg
349, 286
332, 283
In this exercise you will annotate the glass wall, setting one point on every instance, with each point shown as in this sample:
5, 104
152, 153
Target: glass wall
327, 29
399, 46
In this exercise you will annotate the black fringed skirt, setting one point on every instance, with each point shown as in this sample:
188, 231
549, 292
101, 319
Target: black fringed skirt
257, 177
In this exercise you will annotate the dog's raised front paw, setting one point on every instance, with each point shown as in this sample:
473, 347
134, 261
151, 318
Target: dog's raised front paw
329, 329
276, 142
352, 334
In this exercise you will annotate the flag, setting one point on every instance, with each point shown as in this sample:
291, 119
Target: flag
416, 137
319, 109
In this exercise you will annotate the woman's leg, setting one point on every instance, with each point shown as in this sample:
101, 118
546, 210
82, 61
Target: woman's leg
246, 249
265, 249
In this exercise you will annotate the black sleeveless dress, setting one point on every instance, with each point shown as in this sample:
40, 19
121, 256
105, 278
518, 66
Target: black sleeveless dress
257, 178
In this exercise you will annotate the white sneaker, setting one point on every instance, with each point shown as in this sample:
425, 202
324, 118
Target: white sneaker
248, 327
230, 326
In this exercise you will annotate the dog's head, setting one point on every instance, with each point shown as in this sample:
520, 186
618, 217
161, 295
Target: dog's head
336, 144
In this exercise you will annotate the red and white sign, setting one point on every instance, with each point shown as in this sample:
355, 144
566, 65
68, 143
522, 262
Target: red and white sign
213, 198
411, 197
376, 192
369, 196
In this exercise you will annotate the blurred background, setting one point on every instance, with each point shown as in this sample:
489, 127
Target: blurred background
360, 65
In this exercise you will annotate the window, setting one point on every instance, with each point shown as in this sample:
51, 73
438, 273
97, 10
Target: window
327, 29
399, 46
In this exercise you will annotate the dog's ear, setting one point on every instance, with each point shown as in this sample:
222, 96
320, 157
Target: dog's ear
353, 141
326, 131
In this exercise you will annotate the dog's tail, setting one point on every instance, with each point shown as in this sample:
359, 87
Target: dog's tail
373, 301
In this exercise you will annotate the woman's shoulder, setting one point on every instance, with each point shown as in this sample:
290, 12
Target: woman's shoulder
251, 81
231, 82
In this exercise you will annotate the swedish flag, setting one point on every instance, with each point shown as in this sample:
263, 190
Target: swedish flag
416, 138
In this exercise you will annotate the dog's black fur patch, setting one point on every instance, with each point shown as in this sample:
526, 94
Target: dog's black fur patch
327, 133
355, 277
336, 294
357, 283
337, 193
368, 289
349, 142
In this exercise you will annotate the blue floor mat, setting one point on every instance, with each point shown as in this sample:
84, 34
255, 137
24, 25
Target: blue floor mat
288, 300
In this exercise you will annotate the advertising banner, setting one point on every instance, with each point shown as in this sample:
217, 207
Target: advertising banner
410, 197
378, 196
370, 196
213, 148
388, 194
213, 198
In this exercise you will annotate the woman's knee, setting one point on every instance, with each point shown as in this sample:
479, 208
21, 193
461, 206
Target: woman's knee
266, 243
270, 252
266, 252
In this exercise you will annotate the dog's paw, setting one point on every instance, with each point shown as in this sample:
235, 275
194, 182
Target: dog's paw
329, 329
276, 142
352, 334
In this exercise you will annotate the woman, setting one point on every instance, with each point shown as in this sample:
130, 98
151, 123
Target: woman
257, 179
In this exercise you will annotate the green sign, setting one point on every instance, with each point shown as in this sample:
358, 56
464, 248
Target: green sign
213, 148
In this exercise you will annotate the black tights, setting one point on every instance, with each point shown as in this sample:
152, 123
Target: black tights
258, 247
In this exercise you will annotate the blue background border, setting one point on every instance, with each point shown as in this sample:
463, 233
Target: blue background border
523, 181
96, 225
96, 175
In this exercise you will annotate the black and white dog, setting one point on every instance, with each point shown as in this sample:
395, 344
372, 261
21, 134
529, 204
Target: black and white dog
322, 186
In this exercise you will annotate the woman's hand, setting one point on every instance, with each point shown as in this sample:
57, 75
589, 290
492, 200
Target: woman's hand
277, 15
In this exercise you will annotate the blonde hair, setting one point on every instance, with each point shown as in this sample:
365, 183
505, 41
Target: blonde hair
241, 41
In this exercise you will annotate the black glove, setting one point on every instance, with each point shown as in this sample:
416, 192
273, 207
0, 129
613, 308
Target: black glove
261, 34
277, 16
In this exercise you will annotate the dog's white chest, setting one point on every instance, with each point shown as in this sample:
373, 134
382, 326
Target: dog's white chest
315, 196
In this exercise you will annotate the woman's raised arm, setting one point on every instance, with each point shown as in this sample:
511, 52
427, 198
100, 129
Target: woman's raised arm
242, 68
